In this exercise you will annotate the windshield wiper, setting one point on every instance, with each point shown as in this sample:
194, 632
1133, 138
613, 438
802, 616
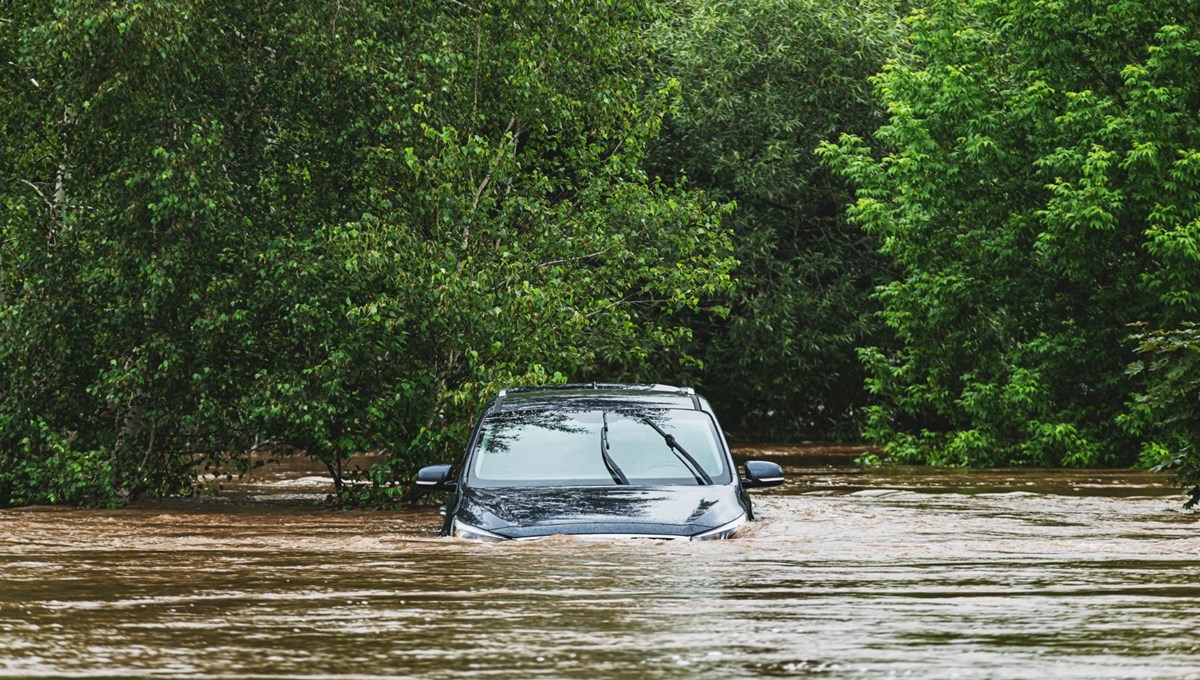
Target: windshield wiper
680, 452
613, 469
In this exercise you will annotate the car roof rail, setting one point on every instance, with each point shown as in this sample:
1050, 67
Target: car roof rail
655, 387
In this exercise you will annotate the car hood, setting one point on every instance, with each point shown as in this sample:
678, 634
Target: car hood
539, 511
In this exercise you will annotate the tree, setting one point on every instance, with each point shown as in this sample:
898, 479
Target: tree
762, 84
325, 228
1036, 187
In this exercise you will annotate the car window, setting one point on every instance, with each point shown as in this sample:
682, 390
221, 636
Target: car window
563, 447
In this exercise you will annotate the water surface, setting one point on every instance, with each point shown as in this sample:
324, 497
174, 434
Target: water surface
849, 573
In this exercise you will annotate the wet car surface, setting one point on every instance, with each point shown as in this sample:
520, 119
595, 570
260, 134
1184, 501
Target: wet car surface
677, 512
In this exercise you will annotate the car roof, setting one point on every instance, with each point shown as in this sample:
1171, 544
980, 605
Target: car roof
591, 396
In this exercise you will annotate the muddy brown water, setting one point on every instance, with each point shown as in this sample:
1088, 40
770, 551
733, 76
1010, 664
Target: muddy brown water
848, 573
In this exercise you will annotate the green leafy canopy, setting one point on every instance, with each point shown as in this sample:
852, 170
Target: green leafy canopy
329, 228
1036, 185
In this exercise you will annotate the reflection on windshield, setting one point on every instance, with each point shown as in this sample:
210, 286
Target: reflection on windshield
553, 448
505, 429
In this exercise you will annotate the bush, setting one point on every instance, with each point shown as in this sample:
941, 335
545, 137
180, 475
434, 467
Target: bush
1166, 415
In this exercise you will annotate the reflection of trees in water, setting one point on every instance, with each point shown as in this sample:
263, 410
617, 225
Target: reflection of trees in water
503, 430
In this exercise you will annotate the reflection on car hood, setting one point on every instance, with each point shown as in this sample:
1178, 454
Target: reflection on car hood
538, 511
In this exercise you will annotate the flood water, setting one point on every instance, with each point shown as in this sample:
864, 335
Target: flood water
848, 573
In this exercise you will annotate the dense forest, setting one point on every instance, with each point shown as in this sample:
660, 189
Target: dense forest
965, 230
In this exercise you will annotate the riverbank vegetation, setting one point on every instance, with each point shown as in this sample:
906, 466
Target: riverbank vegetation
968, 230
1035, 184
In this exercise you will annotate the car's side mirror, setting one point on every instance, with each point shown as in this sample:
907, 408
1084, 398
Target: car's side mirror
760, 473
435, 478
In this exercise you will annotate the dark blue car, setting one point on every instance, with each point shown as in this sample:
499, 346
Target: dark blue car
621, 460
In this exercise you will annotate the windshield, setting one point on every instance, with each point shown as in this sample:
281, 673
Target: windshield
560, 448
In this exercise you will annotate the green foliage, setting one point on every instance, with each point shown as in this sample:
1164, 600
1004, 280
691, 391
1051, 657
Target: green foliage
325, 227
1167, 414
762, 83
46, 469
1037, 189
869, 460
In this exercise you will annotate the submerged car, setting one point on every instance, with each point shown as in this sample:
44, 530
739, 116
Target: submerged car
616, 460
